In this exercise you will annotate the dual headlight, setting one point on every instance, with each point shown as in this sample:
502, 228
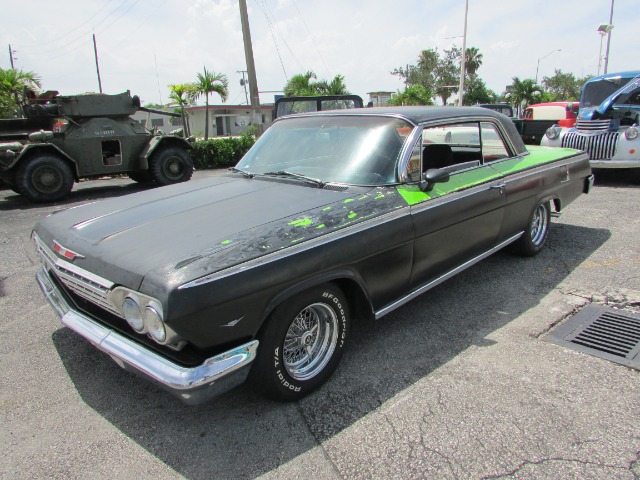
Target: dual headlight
144, 315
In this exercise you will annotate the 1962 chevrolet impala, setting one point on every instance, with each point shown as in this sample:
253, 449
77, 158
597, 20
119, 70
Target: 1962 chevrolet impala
330, 215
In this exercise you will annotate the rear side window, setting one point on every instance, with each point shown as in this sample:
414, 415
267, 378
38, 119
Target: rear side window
493, 147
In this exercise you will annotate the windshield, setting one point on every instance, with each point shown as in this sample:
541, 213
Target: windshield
594, 93
360, 150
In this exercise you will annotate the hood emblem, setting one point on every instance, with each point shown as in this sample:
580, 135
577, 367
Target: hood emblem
65, 252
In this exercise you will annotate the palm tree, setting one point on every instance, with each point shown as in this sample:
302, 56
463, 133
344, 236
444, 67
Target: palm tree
413, 95
210, 82
473, 61
523, 93
182, 94
303, 85
13, 84
300, 85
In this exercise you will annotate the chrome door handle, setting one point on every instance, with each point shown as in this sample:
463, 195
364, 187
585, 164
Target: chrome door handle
499, 186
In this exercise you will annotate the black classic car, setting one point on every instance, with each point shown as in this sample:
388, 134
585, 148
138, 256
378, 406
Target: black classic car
331, 215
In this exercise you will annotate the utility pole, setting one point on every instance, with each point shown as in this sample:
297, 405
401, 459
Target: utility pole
251, 69
11, 57
606, 58
95, 51
463, 63
243, 84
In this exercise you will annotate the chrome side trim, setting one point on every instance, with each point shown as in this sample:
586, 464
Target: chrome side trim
303, 247
428, 286
191, 385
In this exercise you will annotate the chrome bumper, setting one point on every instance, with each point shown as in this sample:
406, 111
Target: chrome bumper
194, 385
615, 163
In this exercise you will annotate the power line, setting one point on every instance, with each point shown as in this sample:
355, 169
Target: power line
295, 4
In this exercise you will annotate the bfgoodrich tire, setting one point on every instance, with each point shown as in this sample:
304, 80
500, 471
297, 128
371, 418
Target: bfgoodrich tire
536, 232
170, 165
302, 343
44, 178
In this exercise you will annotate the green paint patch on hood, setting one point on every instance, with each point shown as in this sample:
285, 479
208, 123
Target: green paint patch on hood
301, 222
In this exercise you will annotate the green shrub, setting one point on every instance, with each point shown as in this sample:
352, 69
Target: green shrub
221, 152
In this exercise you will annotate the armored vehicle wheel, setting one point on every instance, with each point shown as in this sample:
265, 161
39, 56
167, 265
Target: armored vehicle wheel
44, 178
535, 235
170, 165
301, 344
141, 176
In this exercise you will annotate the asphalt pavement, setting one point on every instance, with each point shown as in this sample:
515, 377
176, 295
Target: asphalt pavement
458, 384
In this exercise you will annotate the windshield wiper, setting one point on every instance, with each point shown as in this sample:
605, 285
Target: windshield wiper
242, 172
284, 173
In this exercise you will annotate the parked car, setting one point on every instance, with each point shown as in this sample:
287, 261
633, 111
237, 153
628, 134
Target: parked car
329, 216
607, 124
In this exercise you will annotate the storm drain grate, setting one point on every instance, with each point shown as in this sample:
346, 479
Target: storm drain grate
602, 332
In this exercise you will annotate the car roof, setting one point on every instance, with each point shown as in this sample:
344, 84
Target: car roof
415, 115
422, 114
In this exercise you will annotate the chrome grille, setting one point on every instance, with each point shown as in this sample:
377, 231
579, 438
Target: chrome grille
599, 147
81, 282
592, 126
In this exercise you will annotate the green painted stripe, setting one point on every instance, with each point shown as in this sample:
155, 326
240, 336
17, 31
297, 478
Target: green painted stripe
537, 156
458, 181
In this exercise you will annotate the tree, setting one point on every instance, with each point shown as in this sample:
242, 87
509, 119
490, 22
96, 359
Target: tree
564, 86
473, 61
412, 95
210, 82
438, 72
183, 94
303, 85
14, 84
523, 93
475, 91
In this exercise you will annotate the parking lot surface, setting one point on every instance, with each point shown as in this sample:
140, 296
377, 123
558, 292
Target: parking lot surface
457, 384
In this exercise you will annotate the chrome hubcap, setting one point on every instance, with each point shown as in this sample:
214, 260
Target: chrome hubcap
310, 341
539, 224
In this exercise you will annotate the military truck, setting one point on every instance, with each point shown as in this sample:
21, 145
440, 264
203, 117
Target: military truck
65, 138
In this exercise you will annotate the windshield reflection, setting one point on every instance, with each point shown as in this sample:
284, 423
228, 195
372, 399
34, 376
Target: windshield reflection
358, 150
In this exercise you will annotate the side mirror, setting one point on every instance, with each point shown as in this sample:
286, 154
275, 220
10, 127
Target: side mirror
433, 176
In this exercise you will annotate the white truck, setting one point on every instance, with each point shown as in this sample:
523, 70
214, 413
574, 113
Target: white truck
607, 126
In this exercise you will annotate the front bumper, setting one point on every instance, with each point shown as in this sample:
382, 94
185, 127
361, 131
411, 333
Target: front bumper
195, 385
612, 163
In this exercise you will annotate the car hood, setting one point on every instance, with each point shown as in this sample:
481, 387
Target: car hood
213, 223
619, 96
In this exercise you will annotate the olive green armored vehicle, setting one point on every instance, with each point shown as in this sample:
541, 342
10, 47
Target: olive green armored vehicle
65, 138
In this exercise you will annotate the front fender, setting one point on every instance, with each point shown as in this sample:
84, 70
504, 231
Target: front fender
31, 148
160, 141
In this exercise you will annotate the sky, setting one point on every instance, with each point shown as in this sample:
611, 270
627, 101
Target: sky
143, 45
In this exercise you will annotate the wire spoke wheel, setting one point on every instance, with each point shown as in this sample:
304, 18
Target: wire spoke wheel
539, 225
310, 341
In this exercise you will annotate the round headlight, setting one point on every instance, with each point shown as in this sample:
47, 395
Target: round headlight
133, 314
553, 132
154, 324
631, 133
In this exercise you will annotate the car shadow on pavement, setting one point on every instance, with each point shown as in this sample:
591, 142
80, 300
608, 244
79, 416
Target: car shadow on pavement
107, 188
242, 435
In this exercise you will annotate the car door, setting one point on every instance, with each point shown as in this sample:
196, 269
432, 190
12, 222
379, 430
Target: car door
458, 220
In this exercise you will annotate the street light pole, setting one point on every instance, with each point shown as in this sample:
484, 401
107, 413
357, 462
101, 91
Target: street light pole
463, 59
606, 58
542, 58
603, 30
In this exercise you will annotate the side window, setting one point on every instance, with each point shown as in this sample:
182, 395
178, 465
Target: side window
493, 147
453, 147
